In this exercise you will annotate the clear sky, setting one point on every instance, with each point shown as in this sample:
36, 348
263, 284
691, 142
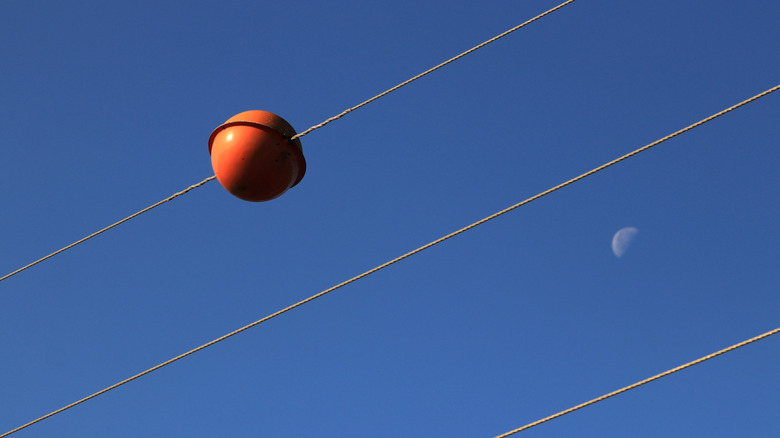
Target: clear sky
106, 108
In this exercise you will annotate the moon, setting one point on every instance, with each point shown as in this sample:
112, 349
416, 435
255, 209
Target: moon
622, 240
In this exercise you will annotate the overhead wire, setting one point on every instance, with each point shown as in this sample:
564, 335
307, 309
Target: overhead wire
641, 382
315, 127
432, 69
157, 204
398, 259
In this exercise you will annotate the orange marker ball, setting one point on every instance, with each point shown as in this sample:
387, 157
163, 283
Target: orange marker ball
253, 156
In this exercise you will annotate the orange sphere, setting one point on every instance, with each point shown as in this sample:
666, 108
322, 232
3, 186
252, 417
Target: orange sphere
253, 156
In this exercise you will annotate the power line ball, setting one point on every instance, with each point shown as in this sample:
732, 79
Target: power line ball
255, 157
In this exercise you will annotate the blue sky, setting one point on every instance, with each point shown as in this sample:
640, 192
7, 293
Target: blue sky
106, 107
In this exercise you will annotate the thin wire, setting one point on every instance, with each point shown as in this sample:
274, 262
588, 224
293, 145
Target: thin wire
432, 69
297, 135
393, 261
169, 198
642, 382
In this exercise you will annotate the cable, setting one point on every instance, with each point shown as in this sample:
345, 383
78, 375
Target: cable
345, 112
642, 382
169, 198
396, 260
297, 135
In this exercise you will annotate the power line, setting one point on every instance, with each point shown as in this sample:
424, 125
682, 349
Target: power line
641, 382
342, 114
398, 259
432, 69
169, 198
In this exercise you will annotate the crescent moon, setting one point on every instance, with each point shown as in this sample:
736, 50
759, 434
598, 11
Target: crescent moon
622, 240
